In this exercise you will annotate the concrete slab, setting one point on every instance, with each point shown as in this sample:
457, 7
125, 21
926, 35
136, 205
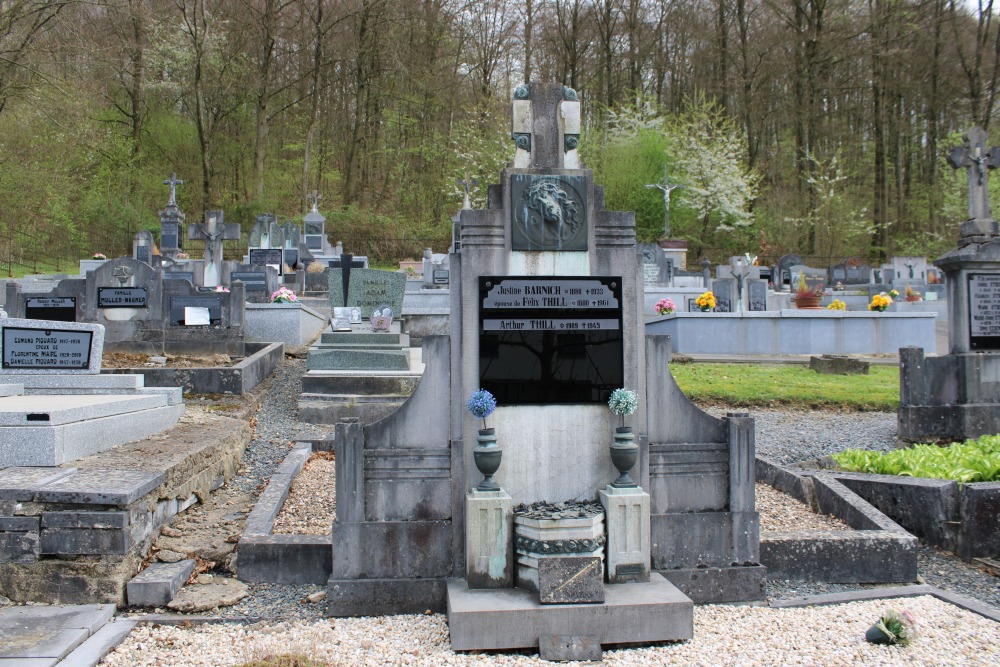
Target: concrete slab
54, 445
101, 486
77, 382
512, 618
157, 584
20, 483
56, 410
90, 652
43, 631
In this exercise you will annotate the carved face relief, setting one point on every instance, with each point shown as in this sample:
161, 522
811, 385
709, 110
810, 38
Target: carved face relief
549, 212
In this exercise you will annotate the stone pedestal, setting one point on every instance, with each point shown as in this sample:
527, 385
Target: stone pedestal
489, 539
537, 539
626, 512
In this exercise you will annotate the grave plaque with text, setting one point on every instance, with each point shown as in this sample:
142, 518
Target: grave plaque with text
169, 235
122, 297
757, 295
179, 275
440, 277
253, 281
143, 253
40, 349
55, 308
984, 311
314, 241
546, 340
265, 257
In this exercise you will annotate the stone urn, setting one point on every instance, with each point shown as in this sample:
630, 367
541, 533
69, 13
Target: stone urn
487, 454
624, 453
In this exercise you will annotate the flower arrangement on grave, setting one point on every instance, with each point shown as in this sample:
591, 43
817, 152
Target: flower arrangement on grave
804, 292
665, 307
623, 402
182, 255
893, 628
911, 294
283, 295
221, 289
99, 255
837, 304
481, 404
893, 294
486, 454
706, 301
624, 451
880, 302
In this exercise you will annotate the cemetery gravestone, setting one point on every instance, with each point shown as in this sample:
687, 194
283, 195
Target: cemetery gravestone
725, 295
984, 311
142, 247
55, 308
757, 293
782, 271
44, 346
266, 257
260, 233
171, 220
213, 232
367, 289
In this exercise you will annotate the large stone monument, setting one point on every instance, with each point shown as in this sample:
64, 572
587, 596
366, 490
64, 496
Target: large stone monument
957, 396
545, 315
171, 221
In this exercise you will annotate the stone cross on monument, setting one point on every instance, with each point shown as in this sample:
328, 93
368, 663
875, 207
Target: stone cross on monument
667, 188
173, 182
545, 127
213, 232
977, 159
465, 185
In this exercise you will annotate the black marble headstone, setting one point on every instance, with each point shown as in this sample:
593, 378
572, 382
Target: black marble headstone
122, 297
178, 303
56, 308
984, 311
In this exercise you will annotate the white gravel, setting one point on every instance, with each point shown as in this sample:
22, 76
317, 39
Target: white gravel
725, 635
780, 512
310, 508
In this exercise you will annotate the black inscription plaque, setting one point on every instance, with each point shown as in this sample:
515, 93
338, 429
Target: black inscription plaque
984, 311
122, 297
440, 276
291, 257
547, 340
143, 253
265, 256
169, 235
179, 303
757, 292
25, 348
314, 241
253, 281
55, 308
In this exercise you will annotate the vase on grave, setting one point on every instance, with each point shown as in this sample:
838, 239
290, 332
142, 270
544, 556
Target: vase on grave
624, 453
487, 455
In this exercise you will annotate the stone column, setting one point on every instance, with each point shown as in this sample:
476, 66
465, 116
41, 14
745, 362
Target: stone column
489, 539
626, 513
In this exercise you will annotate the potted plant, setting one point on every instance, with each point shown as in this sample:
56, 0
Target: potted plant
893, 628
893, 294
806, 297
624, 451
912, 295
487, 453
706, 302
665, 307
880, 302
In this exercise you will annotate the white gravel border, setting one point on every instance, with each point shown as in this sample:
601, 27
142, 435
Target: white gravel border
725, 635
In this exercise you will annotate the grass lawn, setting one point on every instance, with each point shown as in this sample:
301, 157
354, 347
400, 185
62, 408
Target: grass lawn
788, 385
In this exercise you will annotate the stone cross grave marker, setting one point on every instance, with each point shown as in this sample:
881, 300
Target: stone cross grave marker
171, 218
977, 160
213, 232
667, 187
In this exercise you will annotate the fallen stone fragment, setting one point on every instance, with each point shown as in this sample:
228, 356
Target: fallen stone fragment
168, 556
170, 532
221, 592
319, 596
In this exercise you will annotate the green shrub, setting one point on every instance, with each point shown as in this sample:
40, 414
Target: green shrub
969, 461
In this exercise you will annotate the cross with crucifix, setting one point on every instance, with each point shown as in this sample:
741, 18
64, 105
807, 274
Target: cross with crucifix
667, 188
173, 182
314, 197
213, 232
977, 159
465, 185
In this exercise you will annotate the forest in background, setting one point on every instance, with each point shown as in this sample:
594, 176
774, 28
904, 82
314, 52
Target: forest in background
810, 126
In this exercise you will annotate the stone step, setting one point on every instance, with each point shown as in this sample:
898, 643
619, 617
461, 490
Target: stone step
360, 338
62, 383
55, 410
318, 382
367, 409
512, 618
360, 360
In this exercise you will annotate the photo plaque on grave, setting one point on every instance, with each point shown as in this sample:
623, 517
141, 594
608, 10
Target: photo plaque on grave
122, 297
40, 349
55, 308
984, 311
548, 340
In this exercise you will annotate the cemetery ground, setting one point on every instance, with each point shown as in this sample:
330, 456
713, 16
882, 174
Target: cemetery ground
290, 619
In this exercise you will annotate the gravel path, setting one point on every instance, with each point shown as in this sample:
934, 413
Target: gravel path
785, 436
724, 635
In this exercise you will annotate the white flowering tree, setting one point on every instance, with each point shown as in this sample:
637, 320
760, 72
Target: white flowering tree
709, 151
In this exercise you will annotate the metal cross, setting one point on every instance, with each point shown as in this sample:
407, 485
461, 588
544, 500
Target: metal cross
977, 159
667, 188
465, 185
173, 182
